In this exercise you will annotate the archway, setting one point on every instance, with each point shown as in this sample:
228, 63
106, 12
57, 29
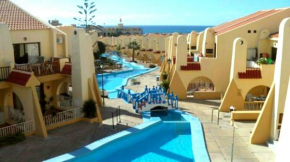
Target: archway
64, 95
14, 108
256, 97
199, 84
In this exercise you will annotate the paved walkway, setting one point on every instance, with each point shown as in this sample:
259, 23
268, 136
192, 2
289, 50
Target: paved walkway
74, 136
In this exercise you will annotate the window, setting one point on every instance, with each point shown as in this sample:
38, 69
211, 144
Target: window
249, 31
255, 31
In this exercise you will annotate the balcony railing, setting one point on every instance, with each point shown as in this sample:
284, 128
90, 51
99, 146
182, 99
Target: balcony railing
250, 74
63, 116
253, 105
190, 66
21, 127
40, 69
4, 73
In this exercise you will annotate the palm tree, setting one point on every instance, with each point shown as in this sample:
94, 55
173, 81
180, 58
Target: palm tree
87, 11
135, 46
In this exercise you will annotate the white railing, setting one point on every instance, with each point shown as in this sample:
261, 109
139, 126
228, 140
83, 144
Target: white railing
21, 127
63, 116
253, 105
16, 115
65, 102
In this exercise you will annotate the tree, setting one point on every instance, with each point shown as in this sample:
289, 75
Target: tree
135, 46
87, 10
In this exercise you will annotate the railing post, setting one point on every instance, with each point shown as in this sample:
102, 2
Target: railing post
119, 114
113, 120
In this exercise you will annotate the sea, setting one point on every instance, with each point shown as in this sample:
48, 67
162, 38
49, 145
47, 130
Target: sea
181, 29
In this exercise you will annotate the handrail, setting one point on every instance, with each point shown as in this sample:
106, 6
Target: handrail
21, 127
253, 105
4, 72
63, 116
40, 69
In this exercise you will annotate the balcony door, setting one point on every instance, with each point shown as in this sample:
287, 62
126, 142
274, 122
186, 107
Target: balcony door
26, 53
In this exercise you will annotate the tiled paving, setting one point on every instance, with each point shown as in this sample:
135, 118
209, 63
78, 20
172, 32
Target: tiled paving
74, 136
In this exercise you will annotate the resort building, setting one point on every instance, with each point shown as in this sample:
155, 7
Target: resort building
196, 62
40, 89
121, 30
271, 126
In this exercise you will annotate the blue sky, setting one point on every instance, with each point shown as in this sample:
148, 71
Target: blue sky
151, 12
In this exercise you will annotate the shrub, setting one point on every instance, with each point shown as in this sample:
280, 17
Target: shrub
262, 61
90, 108
164, 76
165, 85
152, 66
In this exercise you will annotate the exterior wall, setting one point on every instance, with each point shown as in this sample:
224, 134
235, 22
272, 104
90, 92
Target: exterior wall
68, 30
284, 143
192, 39
83, 66
282, 73
208, 42
6, 48
47, 39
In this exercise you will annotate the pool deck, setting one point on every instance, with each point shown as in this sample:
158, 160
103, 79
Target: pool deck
69, 138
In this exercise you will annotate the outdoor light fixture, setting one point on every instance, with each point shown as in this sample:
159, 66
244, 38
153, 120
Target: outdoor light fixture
232, 108
25, 38
169, 61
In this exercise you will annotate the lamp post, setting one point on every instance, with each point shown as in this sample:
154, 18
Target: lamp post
169, 62
232, 108
103, 94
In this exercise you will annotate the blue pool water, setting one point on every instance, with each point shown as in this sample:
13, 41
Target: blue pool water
177, 136
115, 80
167, 142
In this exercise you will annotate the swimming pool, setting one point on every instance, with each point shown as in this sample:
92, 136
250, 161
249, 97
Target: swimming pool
115, 80
157, 139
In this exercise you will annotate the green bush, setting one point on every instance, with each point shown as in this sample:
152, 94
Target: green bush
164, 76
262, 61
12, 139
90, 108
152, 66
165, 85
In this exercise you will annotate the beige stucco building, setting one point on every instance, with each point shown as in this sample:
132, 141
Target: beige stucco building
43, 80
201, 62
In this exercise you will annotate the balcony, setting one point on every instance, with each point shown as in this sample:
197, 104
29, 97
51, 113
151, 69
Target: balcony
40, 69
250, 74
190, 66
4, 73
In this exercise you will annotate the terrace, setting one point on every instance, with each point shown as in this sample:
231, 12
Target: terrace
40, 69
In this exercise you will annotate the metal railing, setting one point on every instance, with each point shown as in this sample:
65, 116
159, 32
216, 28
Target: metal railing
116, 115
21, 127
65, 102
63, 116
4, 73
40, 69
253, 105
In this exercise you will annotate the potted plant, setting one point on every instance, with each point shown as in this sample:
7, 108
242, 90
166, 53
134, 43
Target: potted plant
90, 108
164, 75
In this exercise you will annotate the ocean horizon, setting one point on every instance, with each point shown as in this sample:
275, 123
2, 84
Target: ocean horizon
181, 29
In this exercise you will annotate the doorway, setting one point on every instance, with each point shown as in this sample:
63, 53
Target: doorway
273, 54
26, 53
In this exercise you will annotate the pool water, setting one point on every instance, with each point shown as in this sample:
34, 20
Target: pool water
166, 142
113, 81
